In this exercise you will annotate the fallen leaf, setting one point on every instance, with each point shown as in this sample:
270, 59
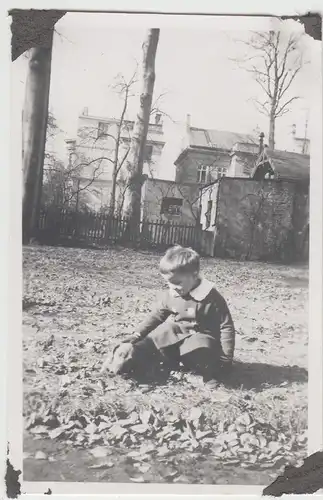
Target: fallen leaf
233, 461
241, 429
181, 479
147, 448
162, 451
140, 428
244, 419
103, 465
262, 441
91, 428
99, 452
246, 438
273, 446
145, 417
139, 479
40, 429
55, 433
144, 467
117, 431
40, 455
134, 454
230, 436
195, 414
103, 426
234, 443
202, 434
221, 427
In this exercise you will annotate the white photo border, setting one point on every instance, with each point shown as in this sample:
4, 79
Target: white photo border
11, 255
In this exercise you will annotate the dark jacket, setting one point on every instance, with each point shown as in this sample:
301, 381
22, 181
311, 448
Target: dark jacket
203, 311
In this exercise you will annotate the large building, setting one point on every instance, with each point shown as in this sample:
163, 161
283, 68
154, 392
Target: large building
206, 154
102, 145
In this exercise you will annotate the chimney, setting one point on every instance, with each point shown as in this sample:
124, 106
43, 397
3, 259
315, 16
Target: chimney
71, 145
261, 142
188, 122
157, 118
85, 111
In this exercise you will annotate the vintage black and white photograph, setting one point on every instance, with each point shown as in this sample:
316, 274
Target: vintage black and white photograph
166, 170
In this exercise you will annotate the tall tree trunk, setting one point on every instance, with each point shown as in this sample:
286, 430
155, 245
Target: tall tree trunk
132, 200
271, 136
34, 133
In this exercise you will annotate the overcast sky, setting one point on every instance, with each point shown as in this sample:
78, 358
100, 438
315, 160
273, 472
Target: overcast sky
193, 66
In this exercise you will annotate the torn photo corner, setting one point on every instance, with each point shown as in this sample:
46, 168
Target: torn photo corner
135, 134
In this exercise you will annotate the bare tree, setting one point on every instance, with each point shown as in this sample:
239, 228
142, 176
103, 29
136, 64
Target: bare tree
120, 140
135, 161
274, 64
116, 153
63, 185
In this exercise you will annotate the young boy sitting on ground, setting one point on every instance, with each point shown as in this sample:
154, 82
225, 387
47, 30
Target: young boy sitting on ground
192, 324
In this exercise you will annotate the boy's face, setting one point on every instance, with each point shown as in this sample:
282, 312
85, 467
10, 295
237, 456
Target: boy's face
181, 283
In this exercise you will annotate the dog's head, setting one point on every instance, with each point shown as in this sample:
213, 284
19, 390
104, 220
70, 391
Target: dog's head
120, 361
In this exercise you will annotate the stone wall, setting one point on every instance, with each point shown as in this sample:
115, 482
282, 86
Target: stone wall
153, 192
260, 220
300, 220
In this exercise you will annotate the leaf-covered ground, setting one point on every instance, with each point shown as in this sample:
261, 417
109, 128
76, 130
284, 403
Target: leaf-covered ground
83, 426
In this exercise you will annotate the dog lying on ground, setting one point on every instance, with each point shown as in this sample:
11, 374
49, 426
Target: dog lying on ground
140, 359
120, 360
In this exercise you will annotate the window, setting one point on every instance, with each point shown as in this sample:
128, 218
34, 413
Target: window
208, 214
219, 172
205, 173
102, 129
148, 153
171, 206
202, 174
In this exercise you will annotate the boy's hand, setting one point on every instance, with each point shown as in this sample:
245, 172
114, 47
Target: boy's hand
132, 340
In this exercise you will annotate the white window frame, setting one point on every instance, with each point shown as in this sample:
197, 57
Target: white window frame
202, 173
220, 172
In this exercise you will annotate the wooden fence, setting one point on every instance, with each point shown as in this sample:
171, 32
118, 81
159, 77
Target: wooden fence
63, 226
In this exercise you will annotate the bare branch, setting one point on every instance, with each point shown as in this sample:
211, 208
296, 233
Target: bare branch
285, 86
261, 106
273, 67
282, 109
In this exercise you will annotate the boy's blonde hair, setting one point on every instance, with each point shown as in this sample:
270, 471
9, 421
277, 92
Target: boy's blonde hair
180, 259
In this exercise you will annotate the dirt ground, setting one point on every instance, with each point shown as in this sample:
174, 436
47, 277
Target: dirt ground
82, 426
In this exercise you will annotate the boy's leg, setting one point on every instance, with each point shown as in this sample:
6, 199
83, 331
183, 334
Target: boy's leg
202, 354
204, 362
149, 350
171, 356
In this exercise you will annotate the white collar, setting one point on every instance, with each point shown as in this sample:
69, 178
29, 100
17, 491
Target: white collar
202, 290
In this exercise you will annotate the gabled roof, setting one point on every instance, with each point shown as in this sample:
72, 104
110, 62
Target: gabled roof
285, 165
219, 139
